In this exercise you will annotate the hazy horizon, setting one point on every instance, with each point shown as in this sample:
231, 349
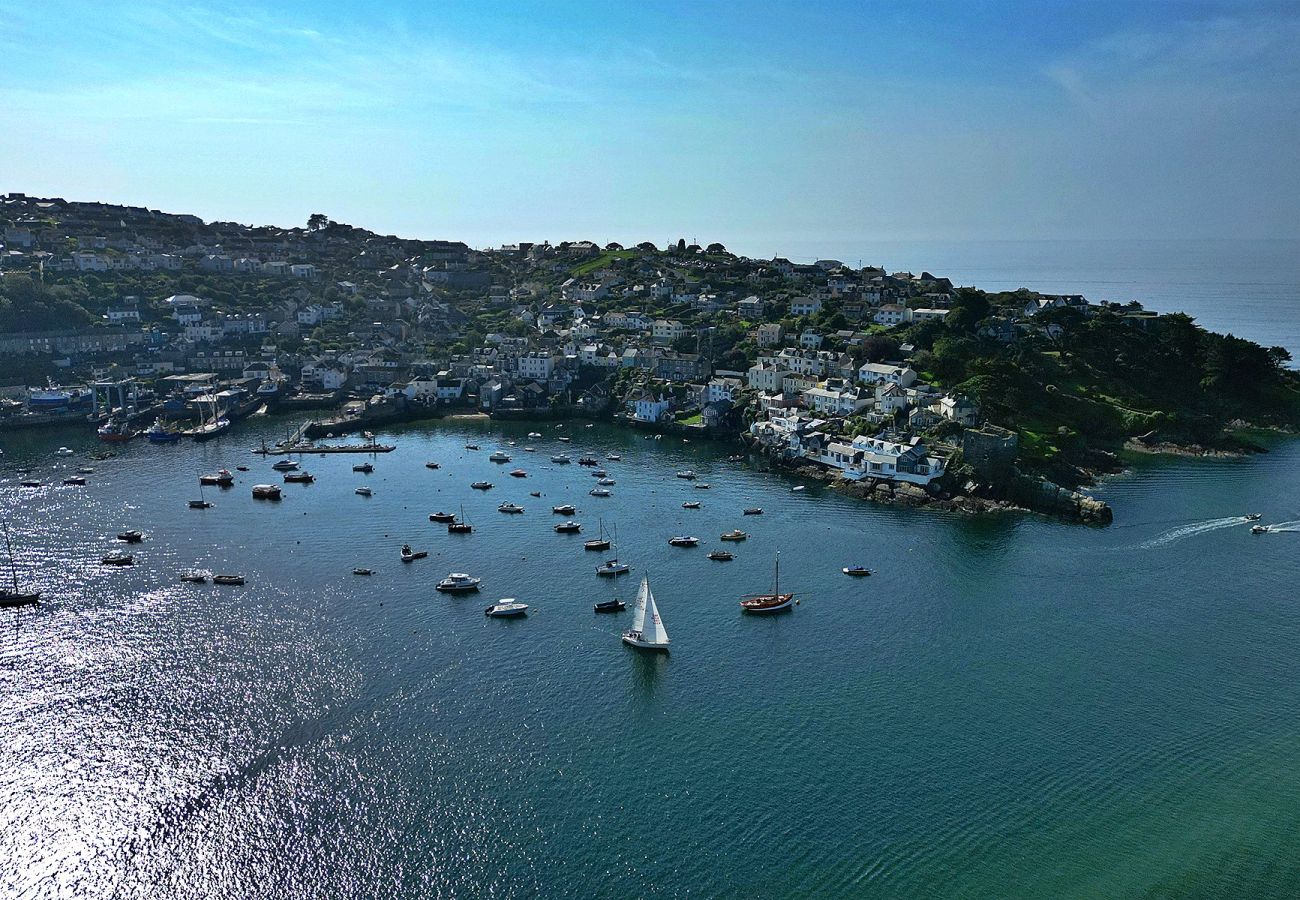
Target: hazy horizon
827, 123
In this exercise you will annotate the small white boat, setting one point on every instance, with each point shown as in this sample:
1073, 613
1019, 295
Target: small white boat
500, 456
605, 481
364, 491
63, 451
798, 488
481, 485
648, 630
564, 509
507, 608
687, 475
534, 434
561, 459
569, 527
367, 468
1259, 529
613, 457
284, 465
683, 541
530, 449
458, 583
702, 486
691, 504
360, 571
509, 507
601, 492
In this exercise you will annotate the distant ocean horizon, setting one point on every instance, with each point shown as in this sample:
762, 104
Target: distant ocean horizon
1250, 288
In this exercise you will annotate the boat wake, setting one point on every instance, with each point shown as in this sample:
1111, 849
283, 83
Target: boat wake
1292, 526
1192, 530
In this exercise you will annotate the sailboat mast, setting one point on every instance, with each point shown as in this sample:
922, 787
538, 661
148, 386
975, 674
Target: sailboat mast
776, 581
13, 566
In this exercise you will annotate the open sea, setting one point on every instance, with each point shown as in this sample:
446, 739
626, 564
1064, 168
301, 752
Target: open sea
1008, 707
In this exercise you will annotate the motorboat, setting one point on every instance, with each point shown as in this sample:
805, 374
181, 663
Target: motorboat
220, 478
366, 468
769, 603
298, 478
266, 492
361, 571
481, 485
499, 456
162, 433
63, 451
30, 484
610, 606
75, 481
284, 465
364, 492
721, 555
648, 632
1253, 517
564, 509
561, 459
601, 492
754, 511
605, 481
118, 559
1259, 529
688, 475
518, 473
194, 578
115, 431
433, 465
534, 493
798, 489
85, 470
241, 468
534, 434
506, 609
564, 440
530, 449
409, 555
509, 507
734, 535
683, 541
613, 568
588, 461
613, 457
598, 473
228, 579
471, 446
858, 571
569, 527
442, 517
459, 583
691, 504
131, 537
702, 486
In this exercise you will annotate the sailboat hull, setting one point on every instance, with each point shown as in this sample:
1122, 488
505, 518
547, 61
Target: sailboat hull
637, 642
761, 606
15, 598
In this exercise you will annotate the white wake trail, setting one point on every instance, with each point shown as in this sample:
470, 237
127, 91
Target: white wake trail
1186, 531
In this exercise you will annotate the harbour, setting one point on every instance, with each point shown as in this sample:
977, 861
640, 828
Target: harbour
976, 656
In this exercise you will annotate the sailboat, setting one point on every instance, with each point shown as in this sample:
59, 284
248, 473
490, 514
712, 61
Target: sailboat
769, 603
648, 630
460, 526
202, 502
208, 429
16, 597
600, 543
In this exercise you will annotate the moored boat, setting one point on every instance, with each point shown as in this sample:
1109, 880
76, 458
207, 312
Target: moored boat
162, 433
691, 504
364, 492
115, 431
299, 478
734, 535
569, 527
754, 511
613, 457
228, 579
721, 555
858, 571
683, 541
506, 608
601, 492
118, 559
366, 468
609, 606
564, 509
284, 465
75, 481
361, 571
481, 485
16, 596
443, 517
598, 543
499, 456
518, 473
561, 459
194, 578
769, 603
433, 465
688, 475
409, 555
458, 583
131, 537
509, 507
266, 492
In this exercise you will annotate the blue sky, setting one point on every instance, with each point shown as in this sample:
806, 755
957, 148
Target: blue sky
750, 123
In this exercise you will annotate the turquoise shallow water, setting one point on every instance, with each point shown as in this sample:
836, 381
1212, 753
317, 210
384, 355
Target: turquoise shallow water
1010, 707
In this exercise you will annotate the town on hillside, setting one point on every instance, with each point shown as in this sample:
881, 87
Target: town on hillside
126, 316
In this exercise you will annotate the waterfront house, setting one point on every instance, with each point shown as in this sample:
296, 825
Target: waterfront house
644, 406
887, 373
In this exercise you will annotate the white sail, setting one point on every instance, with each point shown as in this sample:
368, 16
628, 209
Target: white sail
639, 617
652, 630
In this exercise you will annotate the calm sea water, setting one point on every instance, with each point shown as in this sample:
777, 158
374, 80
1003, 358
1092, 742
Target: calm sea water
1250, 288
1009, 707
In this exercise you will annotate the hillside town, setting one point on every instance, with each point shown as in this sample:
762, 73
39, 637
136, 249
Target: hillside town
821, 362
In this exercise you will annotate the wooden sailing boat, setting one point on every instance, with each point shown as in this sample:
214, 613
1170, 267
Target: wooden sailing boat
16, 597
648, 630
769, 603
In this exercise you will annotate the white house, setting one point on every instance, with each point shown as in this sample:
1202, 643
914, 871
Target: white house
842, 401
884, 373
304, 270
766, 377
537, 365
646, 407
665, 331
805, 306
721, 389
810, 340
187, 315
311, 315
119, 315
891, 314
926, 314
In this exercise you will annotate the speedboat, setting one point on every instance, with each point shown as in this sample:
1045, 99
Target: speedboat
564, 509
364, 491
458, 583
601, 492
118, 559
433, 465
798, 488
364, 467
266, 492
299, 478
409, 555
734, 535
518, 473
856, 570
284, 465
1253, 517
1259, 529
507, 608
481, 485
613, 567
610, 606
613, 457
722, 555
442, 517
228, 579
683, 541
691, 504
688, 475
605, 481
131, 537
360, 571
754, 511
569, 527
509, 507
561, 459
500, 456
